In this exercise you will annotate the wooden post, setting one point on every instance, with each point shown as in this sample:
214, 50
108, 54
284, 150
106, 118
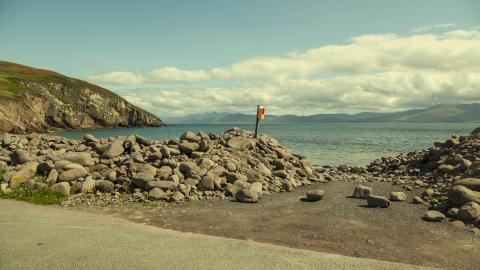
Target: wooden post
260, 116
257, 123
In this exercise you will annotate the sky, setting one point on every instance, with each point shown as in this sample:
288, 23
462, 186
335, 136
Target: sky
295, 57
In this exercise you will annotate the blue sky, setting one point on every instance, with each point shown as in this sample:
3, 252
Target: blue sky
88, 39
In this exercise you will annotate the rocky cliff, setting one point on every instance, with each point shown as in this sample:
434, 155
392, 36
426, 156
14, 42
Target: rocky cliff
40, 100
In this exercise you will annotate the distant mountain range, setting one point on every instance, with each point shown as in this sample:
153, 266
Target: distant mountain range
442, 113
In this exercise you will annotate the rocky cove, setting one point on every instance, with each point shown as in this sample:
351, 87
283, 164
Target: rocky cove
133, 169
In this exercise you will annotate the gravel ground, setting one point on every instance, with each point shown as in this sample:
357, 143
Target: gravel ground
337, 224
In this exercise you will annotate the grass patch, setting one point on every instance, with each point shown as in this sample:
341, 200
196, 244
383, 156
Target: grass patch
42, 196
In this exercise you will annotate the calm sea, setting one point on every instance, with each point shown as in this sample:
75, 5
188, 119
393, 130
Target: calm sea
323, 144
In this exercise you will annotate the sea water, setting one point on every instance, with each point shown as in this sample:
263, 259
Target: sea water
323, 144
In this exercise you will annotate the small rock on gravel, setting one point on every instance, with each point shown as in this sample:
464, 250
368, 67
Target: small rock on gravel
362, 192
378, 201
433, 215
246, 196
398, 196
314, 195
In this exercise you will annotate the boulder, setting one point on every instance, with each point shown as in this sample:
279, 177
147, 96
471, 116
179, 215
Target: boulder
52, 177
72, 174
188, 147
417, 200
142, 178
470, 183
114, 149
246, 196
397, 196
62, 187
378, 201
165, 151
89, 138
208, 182
144, 141
257, 188
88, 186
314, 195
460, 195
469, 212
241, 143
190, 136
188, 167
177, 196
20, 156
432, 215
362, 192
105, 186
157, 194
82, 158
26, 173
164, 185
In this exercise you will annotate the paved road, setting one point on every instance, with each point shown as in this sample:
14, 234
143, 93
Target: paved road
39, 237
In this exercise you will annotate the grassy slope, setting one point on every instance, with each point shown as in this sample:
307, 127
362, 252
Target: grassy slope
11, 73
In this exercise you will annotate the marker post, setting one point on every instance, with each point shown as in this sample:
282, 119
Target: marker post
260, 116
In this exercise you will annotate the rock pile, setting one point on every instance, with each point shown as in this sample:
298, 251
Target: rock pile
450, 173
192, 167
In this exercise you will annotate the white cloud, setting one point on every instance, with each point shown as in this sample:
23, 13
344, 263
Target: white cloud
173, 74
378, 72
118, 78
427, 28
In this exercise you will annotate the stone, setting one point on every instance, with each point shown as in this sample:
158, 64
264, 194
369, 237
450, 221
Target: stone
230, 166
378, 201
190, 136
458, 224
188, 167
88, 186
257, 188
20, 156
240, 143
45, 167
469, 212
417, 200
142, 178
165, 151
157, 194
62, 187
143, 141
208, 182
246, 196
470, 183
362, 192
89, 138
279, 164
398, 196
72, 174
460, 195
434, 216
164, 185
111, 175
177, 197
314, 195
82, 158
114, 149
188, 147
23, 175
105, 186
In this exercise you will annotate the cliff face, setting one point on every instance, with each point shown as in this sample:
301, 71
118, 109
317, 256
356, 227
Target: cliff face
40, 100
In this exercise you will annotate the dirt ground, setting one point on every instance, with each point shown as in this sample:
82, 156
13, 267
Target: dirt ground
337, 224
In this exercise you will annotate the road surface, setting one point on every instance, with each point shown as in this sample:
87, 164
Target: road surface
41, 237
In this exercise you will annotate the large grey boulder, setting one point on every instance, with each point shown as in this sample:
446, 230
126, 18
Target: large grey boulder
20, 156
378, 201
164, 185
62, 187
469, 212
88, 186
241, 143
72, 174
208, 182
188, 147
362, 192
82, 158
114, 149
142, 178
144, 141
257, 188
314, 195
470, 183
89, 138
190, 136
398, 196
105, 186
460, 195
433, 215
246, 196
188, 167
157, 194
26, 173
